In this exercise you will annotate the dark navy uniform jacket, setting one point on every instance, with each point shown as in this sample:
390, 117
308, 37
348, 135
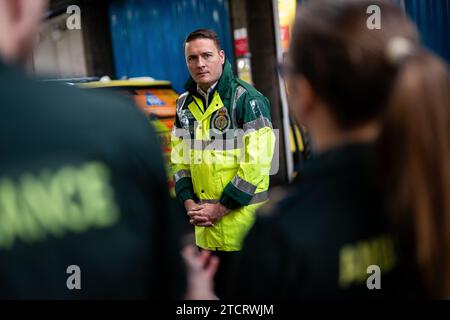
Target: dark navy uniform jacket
84, 205
329, 237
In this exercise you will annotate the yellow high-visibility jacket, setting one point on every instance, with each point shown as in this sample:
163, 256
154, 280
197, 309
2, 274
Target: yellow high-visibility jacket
221, 152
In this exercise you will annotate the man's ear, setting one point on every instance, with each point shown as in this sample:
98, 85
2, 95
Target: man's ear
222, 56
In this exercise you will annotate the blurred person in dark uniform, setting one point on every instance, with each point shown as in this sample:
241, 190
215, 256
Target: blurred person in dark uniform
370, 214
376, 193
82, 187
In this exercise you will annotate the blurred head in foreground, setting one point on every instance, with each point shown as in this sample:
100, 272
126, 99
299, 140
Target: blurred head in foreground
349, 81
19, 24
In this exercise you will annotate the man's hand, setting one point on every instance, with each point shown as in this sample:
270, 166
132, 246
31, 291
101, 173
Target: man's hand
201, 269
207, 214
192, 207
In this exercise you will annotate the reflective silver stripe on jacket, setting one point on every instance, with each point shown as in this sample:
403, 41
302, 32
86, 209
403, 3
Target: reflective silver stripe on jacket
257, 198
243, 185
239, 92
181, 174
257, 124
260, 197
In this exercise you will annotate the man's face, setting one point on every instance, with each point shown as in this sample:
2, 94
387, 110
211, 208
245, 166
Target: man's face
204, 61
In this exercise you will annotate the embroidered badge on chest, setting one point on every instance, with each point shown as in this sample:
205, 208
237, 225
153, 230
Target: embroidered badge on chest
221, 120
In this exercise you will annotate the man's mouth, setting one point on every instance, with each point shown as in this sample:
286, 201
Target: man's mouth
202, 74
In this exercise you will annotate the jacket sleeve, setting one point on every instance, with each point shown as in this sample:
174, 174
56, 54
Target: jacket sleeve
180, 164
258, 144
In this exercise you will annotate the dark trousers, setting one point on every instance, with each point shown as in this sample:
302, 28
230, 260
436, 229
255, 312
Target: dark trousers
223, 271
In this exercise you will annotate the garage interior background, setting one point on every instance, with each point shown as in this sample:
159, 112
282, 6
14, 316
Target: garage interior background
130, 38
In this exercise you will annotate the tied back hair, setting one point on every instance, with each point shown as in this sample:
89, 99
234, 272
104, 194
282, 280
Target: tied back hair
385, 75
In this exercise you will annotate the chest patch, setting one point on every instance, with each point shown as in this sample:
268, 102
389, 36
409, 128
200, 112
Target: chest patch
221, 120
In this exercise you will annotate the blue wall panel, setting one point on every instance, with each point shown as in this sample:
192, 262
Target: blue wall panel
148, 35
433, 20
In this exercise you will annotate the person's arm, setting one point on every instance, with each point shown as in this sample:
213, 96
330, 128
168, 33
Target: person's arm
259, 143
201, 268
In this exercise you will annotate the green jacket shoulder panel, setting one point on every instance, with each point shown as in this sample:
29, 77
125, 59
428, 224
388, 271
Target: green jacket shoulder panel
251, 104
249, 88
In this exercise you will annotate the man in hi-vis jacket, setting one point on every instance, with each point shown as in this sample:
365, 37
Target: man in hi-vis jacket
222, 147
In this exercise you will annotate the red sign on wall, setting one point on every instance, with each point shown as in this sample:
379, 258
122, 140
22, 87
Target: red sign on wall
284, 30
241, 46
241, 42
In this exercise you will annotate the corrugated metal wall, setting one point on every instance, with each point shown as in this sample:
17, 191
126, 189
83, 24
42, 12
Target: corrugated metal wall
433, 20
148, 35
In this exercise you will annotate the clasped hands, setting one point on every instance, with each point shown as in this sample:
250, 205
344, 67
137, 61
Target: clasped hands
206, 214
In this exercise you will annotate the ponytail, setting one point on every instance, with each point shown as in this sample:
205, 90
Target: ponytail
415, 153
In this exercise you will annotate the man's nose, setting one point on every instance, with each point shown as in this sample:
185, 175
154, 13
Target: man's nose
201, 62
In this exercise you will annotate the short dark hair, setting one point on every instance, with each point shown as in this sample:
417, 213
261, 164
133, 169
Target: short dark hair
204, 34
